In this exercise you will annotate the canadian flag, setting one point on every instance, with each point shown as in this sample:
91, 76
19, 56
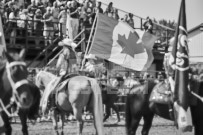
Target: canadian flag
119, 43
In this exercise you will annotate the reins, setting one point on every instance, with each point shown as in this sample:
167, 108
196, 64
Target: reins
197, 96
5, 108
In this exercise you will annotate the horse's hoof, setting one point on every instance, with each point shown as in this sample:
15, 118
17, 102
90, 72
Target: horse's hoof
33, 122
38, 120
83, 117
43, 119
48, 119
88, 117
71, 118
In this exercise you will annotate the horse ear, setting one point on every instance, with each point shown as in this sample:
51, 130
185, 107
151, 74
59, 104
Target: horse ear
8, 57
22, 54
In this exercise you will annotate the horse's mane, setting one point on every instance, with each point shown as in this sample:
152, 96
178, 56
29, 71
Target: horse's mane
48, 74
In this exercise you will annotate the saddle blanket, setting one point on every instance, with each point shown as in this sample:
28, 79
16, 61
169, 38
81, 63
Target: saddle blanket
161, 93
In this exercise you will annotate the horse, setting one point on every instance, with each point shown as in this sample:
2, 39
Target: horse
14, 87
109, 97
138, 106
77, 92
33, 111
42, 79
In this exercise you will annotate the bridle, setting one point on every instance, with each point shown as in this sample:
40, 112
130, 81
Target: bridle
14, 85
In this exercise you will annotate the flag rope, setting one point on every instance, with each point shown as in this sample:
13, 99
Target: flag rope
88, 44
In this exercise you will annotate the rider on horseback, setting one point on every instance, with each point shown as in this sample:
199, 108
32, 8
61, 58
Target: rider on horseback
64, 64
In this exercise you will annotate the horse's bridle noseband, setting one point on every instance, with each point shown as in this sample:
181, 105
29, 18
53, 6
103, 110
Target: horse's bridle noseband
14, 85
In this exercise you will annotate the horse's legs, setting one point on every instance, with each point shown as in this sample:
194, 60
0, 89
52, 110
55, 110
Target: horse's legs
117, 113
54, 120
78, 115
7, 124
23, 119
197, 116
62, 122
12, 112
108, 111
134, 125
147, 123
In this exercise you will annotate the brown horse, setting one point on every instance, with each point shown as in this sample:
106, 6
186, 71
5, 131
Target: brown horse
138, 106
14, 87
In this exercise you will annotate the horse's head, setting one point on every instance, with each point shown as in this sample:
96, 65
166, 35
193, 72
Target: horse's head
38, 79
42, 78
17, 74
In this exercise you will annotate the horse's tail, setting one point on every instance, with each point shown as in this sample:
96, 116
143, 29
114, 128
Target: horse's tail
34, 109
96, 98
128, 117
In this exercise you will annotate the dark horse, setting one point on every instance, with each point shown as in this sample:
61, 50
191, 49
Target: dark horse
33, 111
138, 106
110, 95
14, 87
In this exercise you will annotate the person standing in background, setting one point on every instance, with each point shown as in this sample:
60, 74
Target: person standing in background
73, 20
62, 21
130, 20
115, 14
48, 26
38, 25
55, 11
109, 10
148, 25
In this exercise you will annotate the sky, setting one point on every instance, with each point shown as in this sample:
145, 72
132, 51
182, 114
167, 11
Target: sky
162, 9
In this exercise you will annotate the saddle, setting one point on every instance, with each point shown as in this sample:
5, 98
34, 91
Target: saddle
161, 94
68, 76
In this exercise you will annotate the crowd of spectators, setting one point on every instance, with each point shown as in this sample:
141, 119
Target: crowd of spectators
50, 18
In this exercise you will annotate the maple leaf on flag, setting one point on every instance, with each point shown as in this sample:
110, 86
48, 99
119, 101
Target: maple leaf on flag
130, 45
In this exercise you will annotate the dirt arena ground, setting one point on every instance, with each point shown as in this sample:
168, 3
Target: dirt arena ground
160, 127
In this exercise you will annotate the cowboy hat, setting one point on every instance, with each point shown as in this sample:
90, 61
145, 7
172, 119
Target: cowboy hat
38, 11
90, 56
24, 11
67, 42
68, 3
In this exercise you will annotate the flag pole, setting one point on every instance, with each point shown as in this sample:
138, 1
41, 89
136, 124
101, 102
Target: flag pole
2, 34
88, 44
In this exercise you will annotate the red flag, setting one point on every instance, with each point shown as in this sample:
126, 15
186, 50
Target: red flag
119, 43
180, 62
